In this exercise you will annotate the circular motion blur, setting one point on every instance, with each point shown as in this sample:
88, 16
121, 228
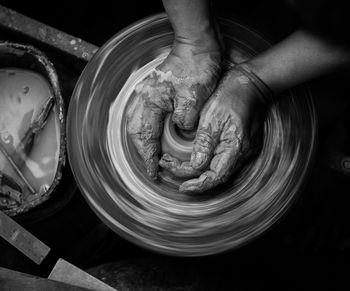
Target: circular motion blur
154, 214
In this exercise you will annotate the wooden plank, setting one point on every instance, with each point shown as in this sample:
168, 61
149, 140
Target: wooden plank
23, 240
12, 280
70, 274
46, 34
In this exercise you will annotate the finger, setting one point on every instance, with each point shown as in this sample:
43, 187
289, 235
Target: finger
145, 118
186, 109
134, 119
188, 103
203, 149
134, 105
145, 126
221, 167
134, 126
207, 137
178, 168
151, 130
157, 91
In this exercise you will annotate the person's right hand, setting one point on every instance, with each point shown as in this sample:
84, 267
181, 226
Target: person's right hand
226, 134
182, 84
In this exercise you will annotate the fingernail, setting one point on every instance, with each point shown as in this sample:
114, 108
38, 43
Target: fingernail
198, 159
164, 163
166, 158
179, 119
183, 188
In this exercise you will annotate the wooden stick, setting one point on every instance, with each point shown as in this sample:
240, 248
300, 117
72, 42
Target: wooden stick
18, 171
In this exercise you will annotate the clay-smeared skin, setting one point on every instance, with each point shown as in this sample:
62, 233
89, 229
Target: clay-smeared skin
182, 84
223, 136
178, 168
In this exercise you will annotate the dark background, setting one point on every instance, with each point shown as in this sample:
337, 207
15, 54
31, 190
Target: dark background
97, 21
313, 241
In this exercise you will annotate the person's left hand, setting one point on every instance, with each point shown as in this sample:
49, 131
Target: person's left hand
228, 122
180, 84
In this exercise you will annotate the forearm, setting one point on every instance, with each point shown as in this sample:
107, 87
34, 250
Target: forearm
300, 57
191, 20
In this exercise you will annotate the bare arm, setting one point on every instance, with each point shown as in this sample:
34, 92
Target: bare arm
299, 58
181, 84
191, 21
227, 120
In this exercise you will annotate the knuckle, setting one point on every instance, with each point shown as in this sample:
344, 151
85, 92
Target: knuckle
185, 103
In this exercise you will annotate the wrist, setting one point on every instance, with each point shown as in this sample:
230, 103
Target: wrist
240, 94
262, 89
203, 39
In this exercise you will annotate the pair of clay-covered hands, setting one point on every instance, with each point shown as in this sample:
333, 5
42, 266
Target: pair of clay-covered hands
190, 84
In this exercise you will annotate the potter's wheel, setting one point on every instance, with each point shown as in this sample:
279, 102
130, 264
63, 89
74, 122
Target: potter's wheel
154, 214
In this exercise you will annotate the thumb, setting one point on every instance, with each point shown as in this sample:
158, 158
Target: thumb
204, 146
